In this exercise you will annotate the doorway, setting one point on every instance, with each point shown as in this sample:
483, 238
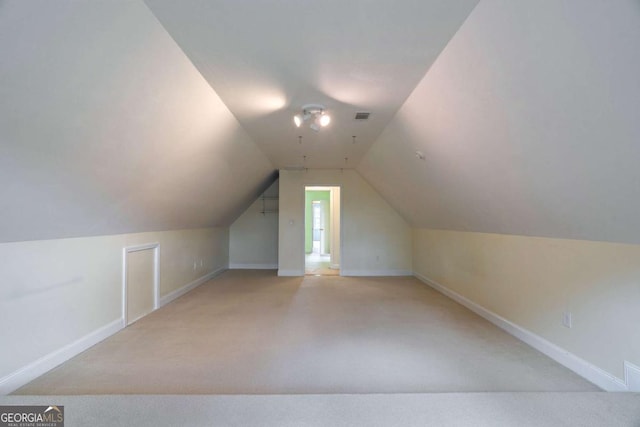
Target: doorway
322, 231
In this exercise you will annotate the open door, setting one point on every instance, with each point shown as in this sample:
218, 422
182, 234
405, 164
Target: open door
322, 231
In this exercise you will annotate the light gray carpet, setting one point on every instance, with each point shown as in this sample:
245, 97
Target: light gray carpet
585, 409
250, 332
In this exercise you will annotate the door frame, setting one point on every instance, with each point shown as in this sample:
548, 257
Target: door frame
332, 214
156, 276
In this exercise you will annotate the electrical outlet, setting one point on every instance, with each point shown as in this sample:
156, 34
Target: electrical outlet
566, 319
194, 266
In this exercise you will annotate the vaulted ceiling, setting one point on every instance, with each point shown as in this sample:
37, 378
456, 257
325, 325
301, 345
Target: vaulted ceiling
266, 59
128, 116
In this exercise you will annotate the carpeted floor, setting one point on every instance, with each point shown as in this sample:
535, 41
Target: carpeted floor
250, 332
552, 409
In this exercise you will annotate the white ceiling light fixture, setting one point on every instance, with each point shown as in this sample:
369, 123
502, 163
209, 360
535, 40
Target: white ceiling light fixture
315, 114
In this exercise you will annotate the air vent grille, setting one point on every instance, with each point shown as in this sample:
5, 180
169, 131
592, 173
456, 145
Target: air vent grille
362, 115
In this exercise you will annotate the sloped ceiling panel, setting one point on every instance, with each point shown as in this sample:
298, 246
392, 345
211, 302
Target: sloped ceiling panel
528, 122
106, 127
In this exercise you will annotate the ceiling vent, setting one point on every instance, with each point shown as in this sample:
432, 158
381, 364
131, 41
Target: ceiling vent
362, 115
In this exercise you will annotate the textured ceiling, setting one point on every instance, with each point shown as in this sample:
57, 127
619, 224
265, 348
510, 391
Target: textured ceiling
266, 59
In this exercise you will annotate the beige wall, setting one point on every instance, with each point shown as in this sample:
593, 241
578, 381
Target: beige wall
375, 239
253, 237
55, 292
530, 281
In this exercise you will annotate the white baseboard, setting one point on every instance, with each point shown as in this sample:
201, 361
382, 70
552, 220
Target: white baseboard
33, 370
374, 273
236, 266
190, 286
599, 377
632, 376
282, 272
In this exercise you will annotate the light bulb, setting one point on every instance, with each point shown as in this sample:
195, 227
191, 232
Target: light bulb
297, 120
325, 120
